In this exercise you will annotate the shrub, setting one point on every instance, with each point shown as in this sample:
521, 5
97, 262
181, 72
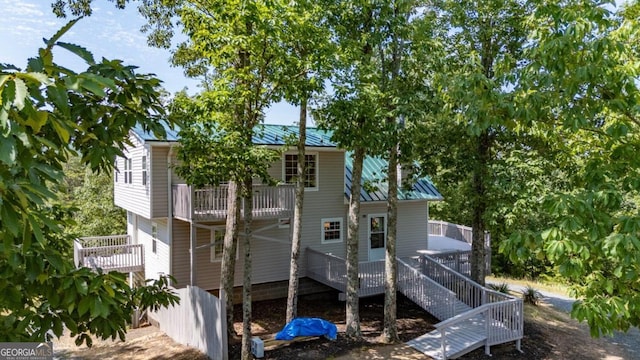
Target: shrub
531, 296
501, 288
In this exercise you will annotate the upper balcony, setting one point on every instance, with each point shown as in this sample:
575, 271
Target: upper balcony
210, 203
108, 253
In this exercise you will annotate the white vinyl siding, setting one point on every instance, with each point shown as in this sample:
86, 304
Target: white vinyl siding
271, 259
159, 187
412, 227
132, 195
158, 263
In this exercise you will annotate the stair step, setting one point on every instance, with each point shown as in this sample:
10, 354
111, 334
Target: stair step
460, 339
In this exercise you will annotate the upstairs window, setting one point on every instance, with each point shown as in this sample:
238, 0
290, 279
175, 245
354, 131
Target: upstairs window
144, 170
291, 170
217, 244
127, 171
154, 237
331, 230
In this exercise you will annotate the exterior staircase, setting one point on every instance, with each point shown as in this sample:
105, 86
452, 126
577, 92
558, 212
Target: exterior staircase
471, 315
483, 317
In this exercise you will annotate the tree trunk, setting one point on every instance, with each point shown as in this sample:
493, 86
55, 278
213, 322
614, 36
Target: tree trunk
480, 173
228, 266
292, 298
353, 280
246, 284
390, 332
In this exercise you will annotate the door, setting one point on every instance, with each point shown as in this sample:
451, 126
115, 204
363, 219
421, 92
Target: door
377, 236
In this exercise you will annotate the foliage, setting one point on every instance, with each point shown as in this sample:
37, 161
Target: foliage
48, 114
531, 296
244, 51
502, 287
89, 199
579, 92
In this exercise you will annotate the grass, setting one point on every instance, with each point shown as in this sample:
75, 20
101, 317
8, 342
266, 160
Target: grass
544, 286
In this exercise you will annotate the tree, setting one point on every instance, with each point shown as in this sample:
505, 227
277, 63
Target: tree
241, 48
484, 42
310, 50
48, 114
90, 197
579, 91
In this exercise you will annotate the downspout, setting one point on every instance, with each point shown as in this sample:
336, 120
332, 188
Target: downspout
170, 210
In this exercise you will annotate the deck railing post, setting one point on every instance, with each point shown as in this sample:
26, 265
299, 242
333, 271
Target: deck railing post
443, 343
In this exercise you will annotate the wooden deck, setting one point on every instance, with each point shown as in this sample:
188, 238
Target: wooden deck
471, 316
109, 253
210, 203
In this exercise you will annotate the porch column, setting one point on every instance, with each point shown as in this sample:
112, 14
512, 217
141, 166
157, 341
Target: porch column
192, 251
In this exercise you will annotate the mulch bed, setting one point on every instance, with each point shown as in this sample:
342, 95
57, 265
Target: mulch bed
269, 318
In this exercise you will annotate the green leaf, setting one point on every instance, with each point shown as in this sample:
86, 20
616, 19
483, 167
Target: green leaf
37, 77
51, 42
8, 151
62, 132
37, 121
78, 50
83, 306
21, 94
81, 286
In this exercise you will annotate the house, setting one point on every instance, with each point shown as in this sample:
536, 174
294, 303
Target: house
176, 229
181, 228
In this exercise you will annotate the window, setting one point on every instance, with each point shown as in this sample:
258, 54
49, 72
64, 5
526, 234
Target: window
331, 230
144, 170
217, 244
284, 223
127, 171
154, 237
291, 169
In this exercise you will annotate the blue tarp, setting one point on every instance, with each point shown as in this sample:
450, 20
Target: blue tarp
308, 327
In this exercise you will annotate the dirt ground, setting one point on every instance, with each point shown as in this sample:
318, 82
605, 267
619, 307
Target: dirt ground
548, 334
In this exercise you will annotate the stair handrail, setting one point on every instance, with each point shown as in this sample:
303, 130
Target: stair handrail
490, 300
449, 296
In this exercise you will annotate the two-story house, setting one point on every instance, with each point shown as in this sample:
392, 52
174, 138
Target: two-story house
181, 228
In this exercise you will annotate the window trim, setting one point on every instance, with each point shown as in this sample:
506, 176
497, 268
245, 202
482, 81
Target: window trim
315, 155
154, 238
212, 232
144, 164
339, 220
128, 178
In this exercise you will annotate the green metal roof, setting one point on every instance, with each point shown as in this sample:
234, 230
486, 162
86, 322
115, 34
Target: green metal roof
373, 172
266, 134
374, 176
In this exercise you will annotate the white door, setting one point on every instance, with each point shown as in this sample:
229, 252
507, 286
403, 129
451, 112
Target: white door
377, 236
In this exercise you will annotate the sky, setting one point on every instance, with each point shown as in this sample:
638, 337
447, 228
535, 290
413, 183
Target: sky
109, 32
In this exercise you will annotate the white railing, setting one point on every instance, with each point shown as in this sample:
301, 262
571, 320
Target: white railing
332, 271
210, 203
109, 253
198, 320
455, 231
503, 314
109, 240
460, 260
327, 269
426, 293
